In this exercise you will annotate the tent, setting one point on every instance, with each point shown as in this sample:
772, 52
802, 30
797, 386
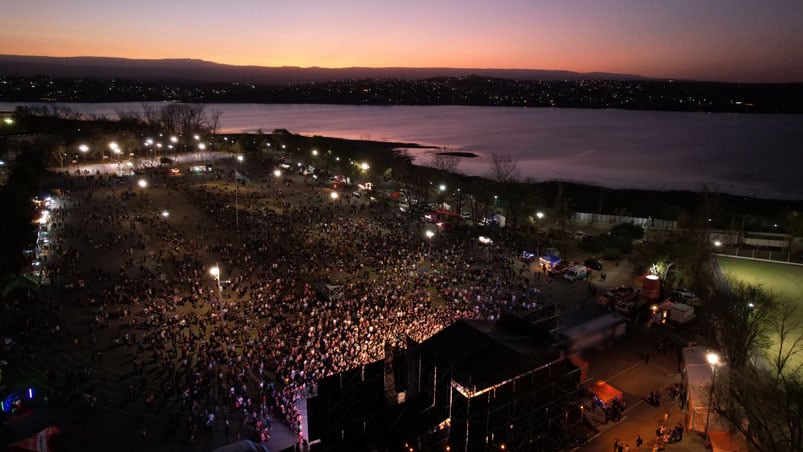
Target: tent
549, 260
697, 378
605, 392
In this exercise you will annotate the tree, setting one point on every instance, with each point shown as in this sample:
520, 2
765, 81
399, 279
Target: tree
214, 120
446, 162
761, 398
743, 313
183, 119
504, 168
628, 231
788, 338
766, 410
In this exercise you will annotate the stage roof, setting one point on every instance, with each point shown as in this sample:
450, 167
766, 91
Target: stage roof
484, 353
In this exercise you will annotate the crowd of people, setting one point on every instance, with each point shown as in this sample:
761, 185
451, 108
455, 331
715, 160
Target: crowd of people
252, 342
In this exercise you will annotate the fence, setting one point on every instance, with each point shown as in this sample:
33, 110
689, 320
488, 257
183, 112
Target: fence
647, 223
761, 254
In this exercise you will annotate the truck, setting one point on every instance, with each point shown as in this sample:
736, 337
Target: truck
622, 299
596, 333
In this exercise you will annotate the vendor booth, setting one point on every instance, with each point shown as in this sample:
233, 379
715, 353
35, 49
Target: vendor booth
604, 394
549, 261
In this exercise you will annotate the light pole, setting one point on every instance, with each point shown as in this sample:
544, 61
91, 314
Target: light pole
441, 190
539, 216
174, 141
215, 272
202, 149
333, 195
236, 183
713, 359
116, 152
83, 149
149, 145
429, 235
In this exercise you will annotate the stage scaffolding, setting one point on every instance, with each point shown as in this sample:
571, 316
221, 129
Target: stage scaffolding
476, 385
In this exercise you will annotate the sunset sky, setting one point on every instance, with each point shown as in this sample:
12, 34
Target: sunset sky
729, 40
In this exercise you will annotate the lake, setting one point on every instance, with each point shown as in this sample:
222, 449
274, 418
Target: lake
745, 154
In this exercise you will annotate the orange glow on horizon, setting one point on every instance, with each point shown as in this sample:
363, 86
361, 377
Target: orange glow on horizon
681, 39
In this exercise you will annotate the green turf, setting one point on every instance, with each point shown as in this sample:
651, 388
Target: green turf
781, 279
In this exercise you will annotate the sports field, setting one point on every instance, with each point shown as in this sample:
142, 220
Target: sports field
785, 280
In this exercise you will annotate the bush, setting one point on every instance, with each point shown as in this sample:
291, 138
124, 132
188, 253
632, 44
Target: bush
628, 231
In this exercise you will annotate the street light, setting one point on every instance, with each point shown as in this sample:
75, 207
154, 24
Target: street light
165, 214
142, 183
236, 184
173, 140
539, 215
713, 360
429, 235
83, 149
333, 195
215, 272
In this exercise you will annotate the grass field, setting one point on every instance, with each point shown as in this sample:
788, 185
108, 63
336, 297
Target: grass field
782, 279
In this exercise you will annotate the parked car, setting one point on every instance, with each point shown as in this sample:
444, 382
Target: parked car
593, 264
683, 296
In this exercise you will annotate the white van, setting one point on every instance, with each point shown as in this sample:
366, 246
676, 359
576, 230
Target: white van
576, 273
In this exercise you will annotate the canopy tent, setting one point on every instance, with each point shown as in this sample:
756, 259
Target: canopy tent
697, 377
605, 392
549, 260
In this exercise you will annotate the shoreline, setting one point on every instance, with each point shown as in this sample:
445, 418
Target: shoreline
610, 148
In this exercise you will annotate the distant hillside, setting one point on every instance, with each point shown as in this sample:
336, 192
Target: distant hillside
189, 70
